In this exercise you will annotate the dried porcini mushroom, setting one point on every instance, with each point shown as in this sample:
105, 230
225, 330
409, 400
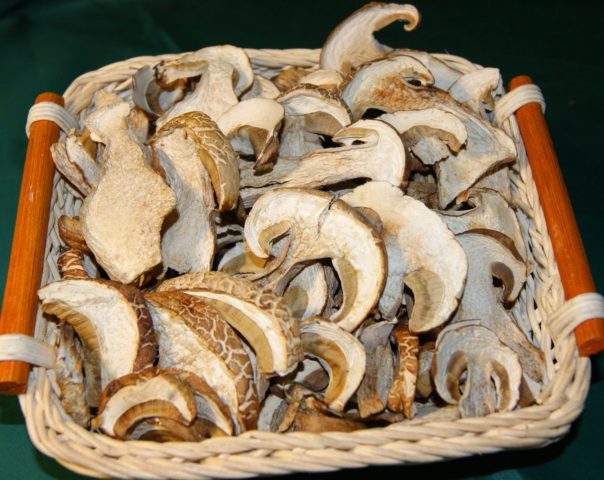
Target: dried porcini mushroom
112, 322
314, 221
475, 89
261, 317
352, 42
70, 231
306, 294
424, 385
402, 390
422, 253
493, 371
324, 78
261, 88
73, 158
71, 264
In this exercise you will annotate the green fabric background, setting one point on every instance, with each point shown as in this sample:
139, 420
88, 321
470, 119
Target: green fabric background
45, 45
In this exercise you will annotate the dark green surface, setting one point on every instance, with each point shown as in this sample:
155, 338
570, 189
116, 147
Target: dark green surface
45, 45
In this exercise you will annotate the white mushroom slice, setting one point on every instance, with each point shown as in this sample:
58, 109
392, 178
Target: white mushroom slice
112, 322
475, 89
227, 233
444, 74
352, 42
193, 64
306, 293
138, 124
372, 394
371, 149
327, 79
76, 163
402, 390
271, 414
493, 371
315, 222
188, 243
488, 257
261, 317
310, 112
489, 211
261, 88
340, 354
152, 393
149, 96
239, 260
252, 126
422, 253
123, 216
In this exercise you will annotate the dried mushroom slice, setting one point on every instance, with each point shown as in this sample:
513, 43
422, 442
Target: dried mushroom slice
424, 386
123, 216
352, 42
152, 393
324, 78
70, 231
193, 336
112, 322
261, 317
75, 164
341, 354
402, 391
314, 222
288, 78
71, 264
261, 88
493, 371
422, 253
444, 74
475, 90
306, 294
238, 260
148, 95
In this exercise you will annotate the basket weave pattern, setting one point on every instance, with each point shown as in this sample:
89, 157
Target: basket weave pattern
255, 452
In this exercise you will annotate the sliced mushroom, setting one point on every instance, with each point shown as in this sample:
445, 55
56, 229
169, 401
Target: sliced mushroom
261, 88
327, 79
152, 393
424, 386
422, 253
112, 322
488, 257
71, 264
379, 156
445, 74
149, 96
123, 216
372, 394
306, 293
475, 89
312, 375
341, 354
314, 222
498, 181
402, 390
288, 78
70, 231
261, 317
163, 429
271, 414
76, 163
493, 371
238, 260
193, 336
352, 42
425, 192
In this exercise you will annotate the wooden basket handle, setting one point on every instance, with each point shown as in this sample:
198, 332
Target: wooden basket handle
29, 240
559, 216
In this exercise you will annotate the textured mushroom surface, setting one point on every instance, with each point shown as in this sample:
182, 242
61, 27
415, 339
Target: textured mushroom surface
402, 391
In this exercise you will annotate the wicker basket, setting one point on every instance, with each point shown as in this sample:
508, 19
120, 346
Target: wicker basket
540, 312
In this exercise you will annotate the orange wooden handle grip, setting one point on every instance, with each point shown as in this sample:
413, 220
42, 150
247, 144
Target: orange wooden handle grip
29, 240
559, 216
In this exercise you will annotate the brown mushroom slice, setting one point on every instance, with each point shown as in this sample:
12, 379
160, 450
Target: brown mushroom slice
261, 317
252, 126
70, 231
288, 78
489, 211
424, 385
340, 353
306, 293
112, 322
75, 164
314, 222
71, 264
122, 218
493, 371
193, 336
352, 42
489, 257
132, 398
422, 253
149, 96
326, 79
188, 242
261, 88
310, 112
475, 89
163, 429
370, 149
402, 390
372, 394
312, 375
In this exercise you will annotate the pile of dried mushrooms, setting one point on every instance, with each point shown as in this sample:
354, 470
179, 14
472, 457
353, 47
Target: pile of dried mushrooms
332, 248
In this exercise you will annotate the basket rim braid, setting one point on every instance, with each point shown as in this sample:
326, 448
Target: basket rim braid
421, 440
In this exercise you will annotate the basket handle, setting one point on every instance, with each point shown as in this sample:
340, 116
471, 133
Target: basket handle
29, 240
559, 216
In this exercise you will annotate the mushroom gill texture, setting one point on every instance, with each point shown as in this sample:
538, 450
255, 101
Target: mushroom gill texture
319, 226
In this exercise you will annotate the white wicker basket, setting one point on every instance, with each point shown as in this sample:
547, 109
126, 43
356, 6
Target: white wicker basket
538, 312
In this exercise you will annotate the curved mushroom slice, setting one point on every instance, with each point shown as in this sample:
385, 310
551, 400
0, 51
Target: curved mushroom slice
306, 294
148, 95
271, 414
372, 394
402, 390
112, 322
493, 371
238, 260
315, 222
327, 79
163, 429
70, 231
188, 242
312, 375
489, 212
444, 74
341, 354
288, 78
475, 90
352, 42
487, 258
310, 112
76, 163
424, 386
261, 317
252, 126
425, 192
498, 181
194, 336
135, 397
123, 216
422, 253
261, 88
71, 264
379, 156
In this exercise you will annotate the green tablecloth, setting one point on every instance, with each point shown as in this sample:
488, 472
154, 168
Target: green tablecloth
46, 44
